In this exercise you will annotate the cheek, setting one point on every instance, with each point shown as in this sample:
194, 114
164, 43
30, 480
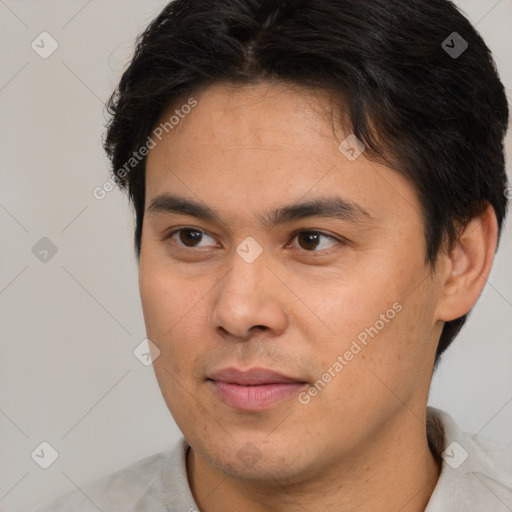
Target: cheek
379, 322
352, 310
167, 297
171, 316
166, 307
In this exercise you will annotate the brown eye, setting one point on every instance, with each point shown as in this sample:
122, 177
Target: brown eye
308, 241
312, 240
189, 237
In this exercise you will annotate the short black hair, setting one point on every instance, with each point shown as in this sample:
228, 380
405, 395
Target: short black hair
420, 100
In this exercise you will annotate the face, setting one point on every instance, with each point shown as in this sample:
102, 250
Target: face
266, 249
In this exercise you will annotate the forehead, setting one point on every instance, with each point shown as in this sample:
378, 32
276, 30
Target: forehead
267, 144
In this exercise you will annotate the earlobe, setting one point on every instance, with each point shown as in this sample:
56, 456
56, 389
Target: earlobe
468, 265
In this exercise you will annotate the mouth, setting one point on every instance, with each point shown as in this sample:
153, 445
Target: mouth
255, 389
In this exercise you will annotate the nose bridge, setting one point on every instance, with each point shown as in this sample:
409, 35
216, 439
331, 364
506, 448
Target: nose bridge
246, 296
247, 278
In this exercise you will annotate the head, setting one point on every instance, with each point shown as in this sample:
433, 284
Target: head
243, 122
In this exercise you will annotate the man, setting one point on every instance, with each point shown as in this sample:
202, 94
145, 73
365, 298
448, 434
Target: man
319, 188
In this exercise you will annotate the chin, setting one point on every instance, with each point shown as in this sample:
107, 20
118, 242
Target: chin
257, 458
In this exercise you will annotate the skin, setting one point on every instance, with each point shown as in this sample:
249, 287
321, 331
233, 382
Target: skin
360, 443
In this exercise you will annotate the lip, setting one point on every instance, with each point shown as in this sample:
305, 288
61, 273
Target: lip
253, 377
255, 389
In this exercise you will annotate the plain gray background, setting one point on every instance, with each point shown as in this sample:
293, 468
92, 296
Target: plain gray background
70, 324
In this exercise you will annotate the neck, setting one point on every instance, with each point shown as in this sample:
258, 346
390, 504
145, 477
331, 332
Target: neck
394, 471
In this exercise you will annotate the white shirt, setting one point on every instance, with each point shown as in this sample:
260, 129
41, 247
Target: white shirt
476, 476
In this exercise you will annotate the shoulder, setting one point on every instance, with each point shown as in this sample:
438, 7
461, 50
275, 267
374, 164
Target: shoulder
117, 491
496, 464
475, 472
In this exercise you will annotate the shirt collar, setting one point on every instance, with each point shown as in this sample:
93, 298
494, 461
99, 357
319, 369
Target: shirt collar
476, 474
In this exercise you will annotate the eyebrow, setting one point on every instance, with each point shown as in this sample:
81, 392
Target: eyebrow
330, 207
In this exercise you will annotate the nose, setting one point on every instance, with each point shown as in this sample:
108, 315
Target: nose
249, 300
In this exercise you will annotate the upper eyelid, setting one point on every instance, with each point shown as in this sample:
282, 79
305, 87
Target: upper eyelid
170, 233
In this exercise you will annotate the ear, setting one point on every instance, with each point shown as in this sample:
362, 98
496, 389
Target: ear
467, 266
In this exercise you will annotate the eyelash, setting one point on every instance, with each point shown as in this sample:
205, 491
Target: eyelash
294, 235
